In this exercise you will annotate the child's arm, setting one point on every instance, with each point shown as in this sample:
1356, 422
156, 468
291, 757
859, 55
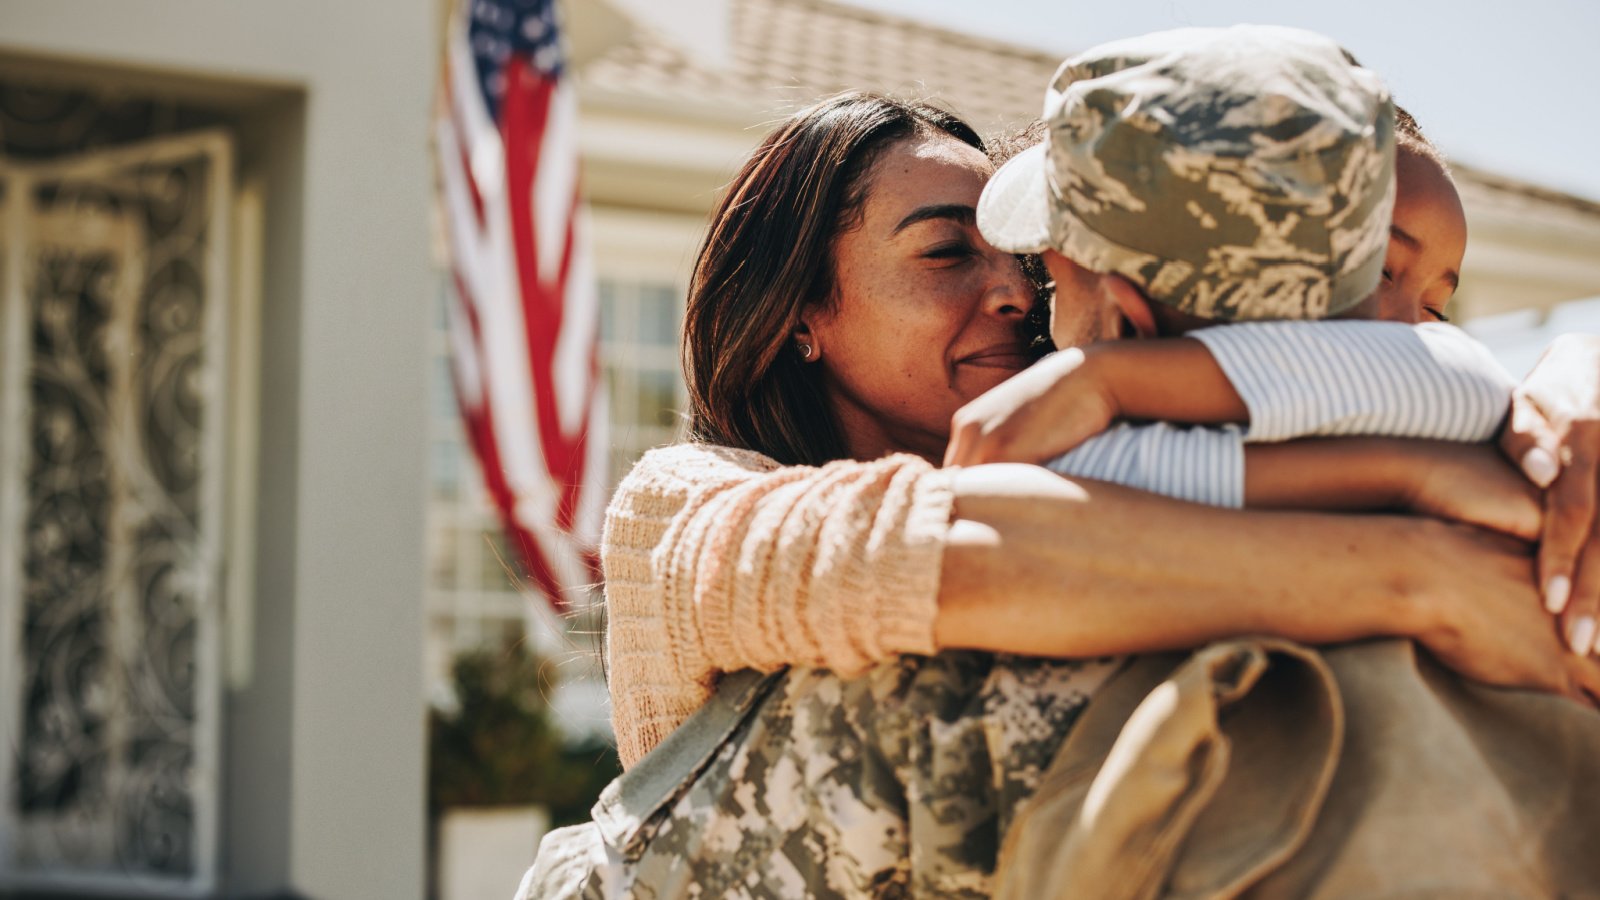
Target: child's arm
1285, 379
1201, 465
1429, 381
1317, 379
1458, 482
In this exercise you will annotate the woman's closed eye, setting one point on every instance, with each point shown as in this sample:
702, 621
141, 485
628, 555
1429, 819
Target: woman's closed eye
953, 251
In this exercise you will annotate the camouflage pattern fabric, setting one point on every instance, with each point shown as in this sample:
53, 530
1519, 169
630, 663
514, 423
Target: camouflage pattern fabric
1234, 174
899, 783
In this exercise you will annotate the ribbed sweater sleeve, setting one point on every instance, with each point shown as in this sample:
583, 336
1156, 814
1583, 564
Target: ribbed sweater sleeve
718, 559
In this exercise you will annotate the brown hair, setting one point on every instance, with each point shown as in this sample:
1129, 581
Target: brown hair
768, 255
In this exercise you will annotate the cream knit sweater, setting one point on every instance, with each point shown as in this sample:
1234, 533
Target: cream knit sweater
719, 559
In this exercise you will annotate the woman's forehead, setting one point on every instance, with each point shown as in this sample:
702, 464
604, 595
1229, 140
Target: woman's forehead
923, 170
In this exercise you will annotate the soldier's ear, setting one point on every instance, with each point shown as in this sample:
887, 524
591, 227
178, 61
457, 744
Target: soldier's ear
1133, 306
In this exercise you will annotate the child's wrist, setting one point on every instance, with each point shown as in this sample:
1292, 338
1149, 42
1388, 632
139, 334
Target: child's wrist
1169, 379
1103, 375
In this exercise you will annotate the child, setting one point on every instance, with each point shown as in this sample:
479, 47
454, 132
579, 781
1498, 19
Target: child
1428, 233
1160, 215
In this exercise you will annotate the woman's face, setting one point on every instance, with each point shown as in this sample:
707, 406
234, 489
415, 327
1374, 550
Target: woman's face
926, 315
1426, 242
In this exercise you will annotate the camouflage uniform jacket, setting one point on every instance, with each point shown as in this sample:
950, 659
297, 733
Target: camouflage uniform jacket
899, 783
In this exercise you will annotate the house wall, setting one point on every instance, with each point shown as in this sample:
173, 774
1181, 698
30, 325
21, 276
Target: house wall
324, 765
1525, 254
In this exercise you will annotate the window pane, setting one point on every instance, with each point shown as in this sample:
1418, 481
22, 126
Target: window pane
444, 389
658, 398
658, 315
620, 385
499, 565
609, 310
443, 561
446, 469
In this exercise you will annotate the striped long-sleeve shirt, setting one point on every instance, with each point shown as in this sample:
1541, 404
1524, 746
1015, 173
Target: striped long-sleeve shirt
1308, 380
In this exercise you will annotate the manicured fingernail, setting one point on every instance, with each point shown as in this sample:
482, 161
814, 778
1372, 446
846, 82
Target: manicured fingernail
1540, 467
1581, 637
1556, 592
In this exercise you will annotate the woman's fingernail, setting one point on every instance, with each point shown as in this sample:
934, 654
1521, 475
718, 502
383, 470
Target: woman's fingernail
1556, 592
1581, 637
1540, 467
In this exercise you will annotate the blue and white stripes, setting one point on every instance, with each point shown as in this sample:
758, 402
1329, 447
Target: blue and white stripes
1361, 378
1308, 379
1201, 465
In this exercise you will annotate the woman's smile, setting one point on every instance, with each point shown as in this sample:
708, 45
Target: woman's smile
1010, 355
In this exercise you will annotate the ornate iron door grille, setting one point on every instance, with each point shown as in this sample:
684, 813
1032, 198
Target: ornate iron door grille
113, 379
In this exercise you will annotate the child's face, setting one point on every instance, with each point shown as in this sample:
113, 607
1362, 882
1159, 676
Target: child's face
1426, 242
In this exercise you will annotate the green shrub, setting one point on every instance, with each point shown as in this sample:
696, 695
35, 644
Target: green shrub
500, 748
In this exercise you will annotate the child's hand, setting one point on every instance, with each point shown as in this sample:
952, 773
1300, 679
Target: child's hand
1471, 484
1038, 414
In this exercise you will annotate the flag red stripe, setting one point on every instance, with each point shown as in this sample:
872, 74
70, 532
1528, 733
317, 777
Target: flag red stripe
479, 420
525, 113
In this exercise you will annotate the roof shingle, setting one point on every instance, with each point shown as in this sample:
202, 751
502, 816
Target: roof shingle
786, 53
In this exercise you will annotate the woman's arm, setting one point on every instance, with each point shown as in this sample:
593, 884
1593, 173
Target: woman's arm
719, 559
1040, 565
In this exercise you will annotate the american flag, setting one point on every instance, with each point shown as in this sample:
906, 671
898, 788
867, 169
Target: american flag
524, 324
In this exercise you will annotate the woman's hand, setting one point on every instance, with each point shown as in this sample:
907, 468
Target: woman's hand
1483, 617
1040, 413
1554, 435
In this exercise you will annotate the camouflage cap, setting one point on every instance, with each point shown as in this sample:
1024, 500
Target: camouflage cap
1237, 173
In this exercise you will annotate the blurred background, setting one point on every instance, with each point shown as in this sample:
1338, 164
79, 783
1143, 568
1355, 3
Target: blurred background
265, 627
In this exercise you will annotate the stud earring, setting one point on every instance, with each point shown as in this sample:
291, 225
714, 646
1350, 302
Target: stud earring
805, 351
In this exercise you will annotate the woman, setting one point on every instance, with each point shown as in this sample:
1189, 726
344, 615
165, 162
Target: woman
842, 309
